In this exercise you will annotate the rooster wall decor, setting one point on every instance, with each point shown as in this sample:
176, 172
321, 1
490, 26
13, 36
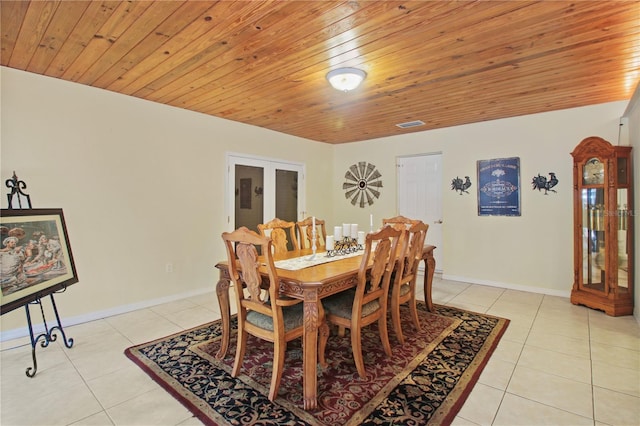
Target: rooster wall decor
542, 183
461, 186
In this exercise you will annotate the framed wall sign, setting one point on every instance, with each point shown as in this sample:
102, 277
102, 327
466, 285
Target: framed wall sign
499, 187
35, 257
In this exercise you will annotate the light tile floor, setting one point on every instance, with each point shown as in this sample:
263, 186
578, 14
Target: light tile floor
557, 364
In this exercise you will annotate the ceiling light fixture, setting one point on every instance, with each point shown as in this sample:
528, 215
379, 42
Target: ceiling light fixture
345, 79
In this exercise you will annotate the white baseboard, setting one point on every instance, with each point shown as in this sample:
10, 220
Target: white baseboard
530, 289
92, 316
539, 290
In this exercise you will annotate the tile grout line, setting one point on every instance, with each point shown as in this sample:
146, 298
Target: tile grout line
516, 364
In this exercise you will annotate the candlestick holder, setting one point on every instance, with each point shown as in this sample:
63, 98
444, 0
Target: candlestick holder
314, 247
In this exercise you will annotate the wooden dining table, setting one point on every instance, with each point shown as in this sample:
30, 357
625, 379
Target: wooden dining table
311, 285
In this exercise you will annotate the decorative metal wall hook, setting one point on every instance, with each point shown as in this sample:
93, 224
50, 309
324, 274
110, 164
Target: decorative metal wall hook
460, 185
542, 183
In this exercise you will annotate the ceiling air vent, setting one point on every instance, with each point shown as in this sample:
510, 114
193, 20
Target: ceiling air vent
408, 124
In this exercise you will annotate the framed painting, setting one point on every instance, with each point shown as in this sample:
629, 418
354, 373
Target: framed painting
499, 187
35, 258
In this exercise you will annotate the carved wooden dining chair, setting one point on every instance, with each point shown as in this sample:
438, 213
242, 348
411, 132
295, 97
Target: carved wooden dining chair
400, 222
367, 303
282, 233
305, 230
403, 283
263, 315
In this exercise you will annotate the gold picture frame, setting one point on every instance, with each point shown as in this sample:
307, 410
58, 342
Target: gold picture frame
35, 257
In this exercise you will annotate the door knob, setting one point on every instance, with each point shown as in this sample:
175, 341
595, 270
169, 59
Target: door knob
437, 221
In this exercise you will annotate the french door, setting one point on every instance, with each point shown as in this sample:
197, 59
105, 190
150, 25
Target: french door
260, 189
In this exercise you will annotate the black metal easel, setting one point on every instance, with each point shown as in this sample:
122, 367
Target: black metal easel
48, 335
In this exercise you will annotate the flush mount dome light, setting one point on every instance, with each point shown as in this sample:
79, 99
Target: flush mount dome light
345, 79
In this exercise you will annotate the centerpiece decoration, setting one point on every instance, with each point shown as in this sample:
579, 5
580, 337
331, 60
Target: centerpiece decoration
345, 240
345, 246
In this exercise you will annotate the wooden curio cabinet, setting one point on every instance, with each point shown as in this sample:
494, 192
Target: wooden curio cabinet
603, 227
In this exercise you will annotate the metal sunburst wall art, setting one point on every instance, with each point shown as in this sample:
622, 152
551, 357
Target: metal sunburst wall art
541, 183
363, 184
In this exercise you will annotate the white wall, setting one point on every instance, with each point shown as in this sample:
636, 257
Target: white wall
531, 252
141, 185
632, 121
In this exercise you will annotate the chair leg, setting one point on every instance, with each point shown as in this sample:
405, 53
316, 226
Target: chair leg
414, 311
384, 334
395, 315
241, 346
356, 348
279, 349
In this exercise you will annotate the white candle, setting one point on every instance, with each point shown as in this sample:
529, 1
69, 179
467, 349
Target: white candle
360, 237
337, 232
346, 229
371, 221
329, 244
313, 225
354, 230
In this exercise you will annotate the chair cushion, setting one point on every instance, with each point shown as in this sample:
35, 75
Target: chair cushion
404, 289
341, 304
293, 317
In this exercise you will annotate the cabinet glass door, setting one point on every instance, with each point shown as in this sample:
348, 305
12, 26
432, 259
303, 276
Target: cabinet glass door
624, 242
593, 241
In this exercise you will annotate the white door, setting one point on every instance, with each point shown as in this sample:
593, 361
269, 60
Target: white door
420, 195
260, 189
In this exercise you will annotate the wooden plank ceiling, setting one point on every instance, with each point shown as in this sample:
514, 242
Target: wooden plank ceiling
264, 62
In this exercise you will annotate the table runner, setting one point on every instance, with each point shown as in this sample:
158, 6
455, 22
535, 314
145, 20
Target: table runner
307, 261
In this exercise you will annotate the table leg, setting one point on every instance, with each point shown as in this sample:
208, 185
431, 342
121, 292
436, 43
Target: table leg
429, 269
312, 319
222, 290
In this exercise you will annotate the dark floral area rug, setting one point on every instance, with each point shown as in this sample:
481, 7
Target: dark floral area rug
425, 382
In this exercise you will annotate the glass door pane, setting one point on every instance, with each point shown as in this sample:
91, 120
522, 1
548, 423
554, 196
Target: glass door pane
593, 250
623, 241
249, 199
287, 195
